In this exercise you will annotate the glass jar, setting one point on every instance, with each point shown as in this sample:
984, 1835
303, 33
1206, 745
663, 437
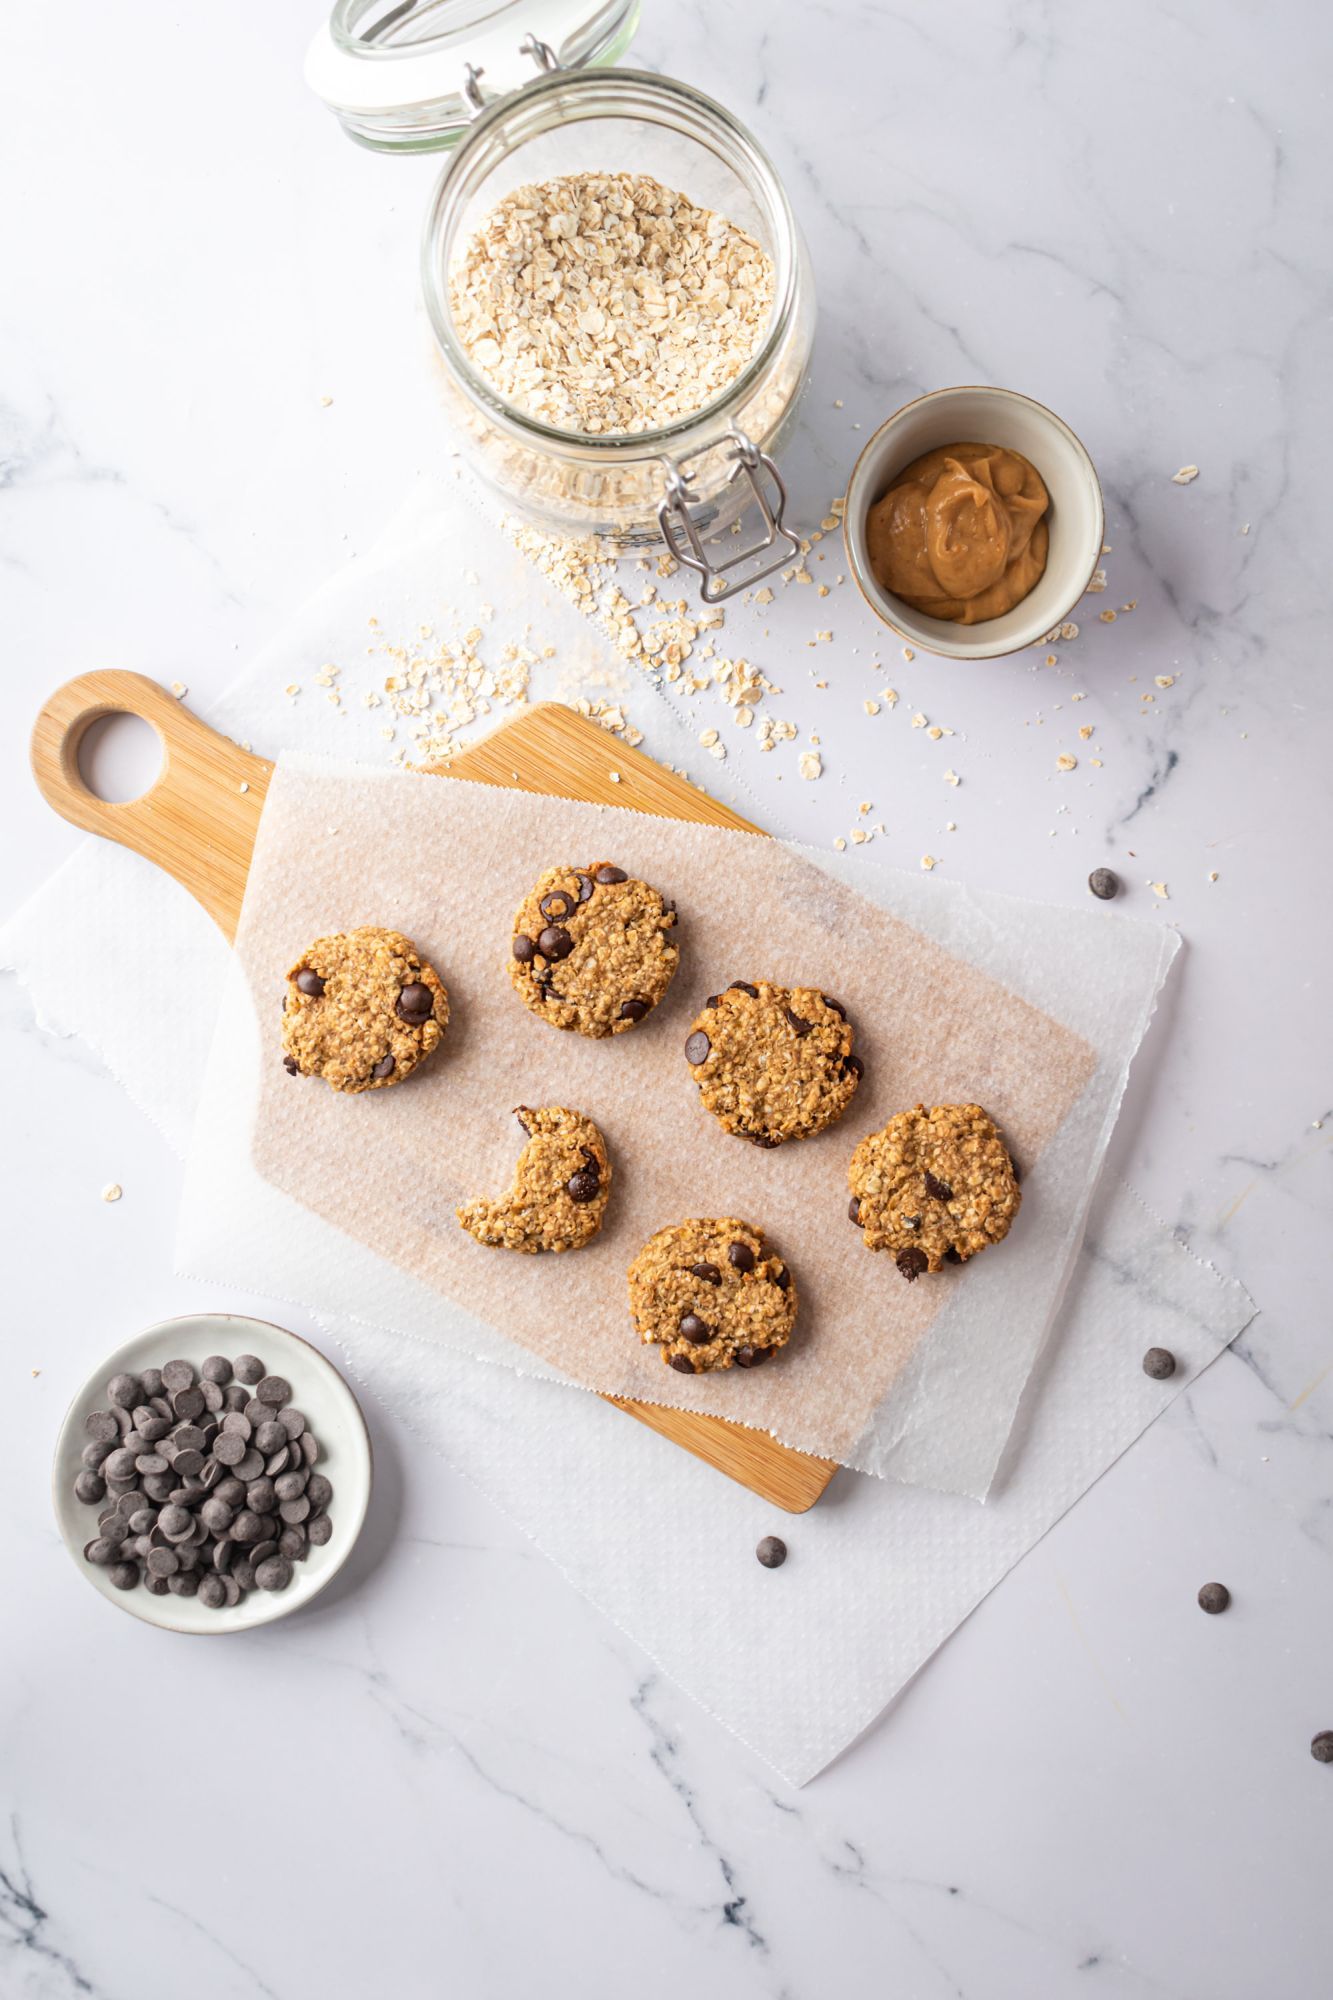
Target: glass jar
689, 483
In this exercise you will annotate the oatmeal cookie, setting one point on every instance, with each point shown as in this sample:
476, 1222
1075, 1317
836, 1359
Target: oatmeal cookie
710, 1294
362, 1010
773, 1062
560, 1189
933, 1187
592, 949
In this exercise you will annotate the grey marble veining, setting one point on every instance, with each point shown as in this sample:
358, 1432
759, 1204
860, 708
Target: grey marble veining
1093, 1789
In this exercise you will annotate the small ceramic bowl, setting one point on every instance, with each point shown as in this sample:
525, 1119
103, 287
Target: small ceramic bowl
1077, 517
318, 1391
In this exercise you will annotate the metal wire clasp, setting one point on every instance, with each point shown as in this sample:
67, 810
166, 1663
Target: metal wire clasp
680, 528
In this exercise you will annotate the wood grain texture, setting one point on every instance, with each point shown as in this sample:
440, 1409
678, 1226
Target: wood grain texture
199, 822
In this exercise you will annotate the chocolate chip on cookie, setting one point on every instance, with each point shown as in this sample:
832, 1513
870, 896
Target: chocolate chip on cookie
773, 1062
933, 1187
560, 1187
592, 949
711, 1294
362, 1010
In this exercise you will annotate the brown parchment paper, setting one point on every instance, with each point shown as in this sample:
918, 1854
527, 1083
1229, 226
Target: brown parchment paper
447, 862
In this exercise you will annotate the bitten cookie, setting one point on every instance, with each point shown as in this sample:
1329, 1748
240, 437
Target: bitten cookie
711, 1294
933, 1187
593, 949
773, 1062
362, 1010
560, 1188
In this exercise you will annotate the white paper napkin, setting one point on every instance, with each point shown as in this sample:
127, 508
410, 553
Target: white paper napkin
880, 1573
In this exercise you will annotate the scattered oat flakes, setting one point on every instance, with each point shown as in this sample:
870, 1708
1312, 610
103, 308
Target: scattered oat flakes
179, 689
1085, 730
870, 707
708, 738
927, 861
245, 784
1051, 660
1107, 617
614, 776
1064, 762
889, 696
919, 721
1185, 475
1166, 680
839, 843
326, 402
952, 778
743, 717
859, 836
934, 732
810, 764
1159, 889
112, 1191
908, 654
1212, 874
1096, 582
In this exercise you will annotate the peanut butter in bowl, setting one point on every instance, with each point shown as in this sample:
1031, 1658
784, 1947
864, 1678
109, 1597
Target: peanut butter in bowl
961, 533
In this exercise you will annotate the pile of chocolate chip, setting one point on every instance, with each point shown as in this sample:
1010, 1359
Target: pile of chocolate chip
208, 1481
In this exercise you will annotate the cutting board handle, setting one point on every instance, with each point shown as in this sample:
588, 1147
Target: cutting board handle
199, 817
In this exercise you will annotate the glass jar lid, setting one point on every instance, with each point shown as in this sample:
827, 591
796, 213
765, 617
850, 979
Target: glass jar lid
410, 75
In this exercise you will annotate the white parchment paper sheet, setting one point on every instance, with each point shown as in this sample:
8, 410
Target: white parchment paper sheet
893, 1570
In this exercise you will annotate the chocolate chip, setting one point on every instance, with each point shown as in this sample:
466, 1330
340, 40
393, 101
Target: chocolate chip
90, 1487
585, 887
274, 1391
695, 1330
606, 873
309, 983
682, 1364
1104, 882
712, 1000
764, 1139
217, 1369
384, 1067
801, 1027
911, 1221
750, 1357
772, 1552
707, 1273
1159, 1363
853, 1066
836, 1005
633, 1010
854, 1210
557, 904
1214, 1597
912, 1263
524, 949
177, 1375
952, 1256
291, 1065
1321, 1747
101, 1426
123, 1391
583, 1185
697, 1046
743, 986
938, 1190
740, 1256
555, 942
416, 1003
782, 1278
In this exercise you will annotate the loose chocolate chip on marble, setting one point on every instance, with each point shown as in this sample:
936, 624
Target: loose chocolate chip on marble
854, 1210
384, 1067
937, 1189
309, 983
1104, 882
743, 986
682, 1364
583, 1184
695, 1330
1214, 1597
772, 1552
1160, 1363
274, 1390
782, 1277
740, 1256
750, 1357
608, 874
555, 943
415, 1004
912, 1263
709, 1273
1321, 1747
800, 1027
557, 904
697, 1046
524, 949
633, 1010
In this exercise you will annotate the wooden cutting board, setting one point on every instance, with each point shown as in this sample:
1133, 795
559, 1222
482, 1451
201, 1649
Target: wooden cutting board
199, 822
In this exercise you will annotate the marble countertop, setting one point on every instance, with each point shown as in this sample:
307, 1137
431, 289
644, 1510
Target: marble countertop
473, 1783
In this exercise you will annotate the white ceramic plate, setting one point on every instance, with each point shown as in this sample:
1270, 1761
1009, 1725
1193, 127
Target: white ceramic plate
318, 1391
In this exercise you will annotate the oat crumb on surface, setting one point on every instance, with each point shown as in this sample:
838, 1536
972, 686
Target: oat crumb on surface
1166, 680
1064, 762
112, 1191
1160, 889
1185, 476
928, 861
